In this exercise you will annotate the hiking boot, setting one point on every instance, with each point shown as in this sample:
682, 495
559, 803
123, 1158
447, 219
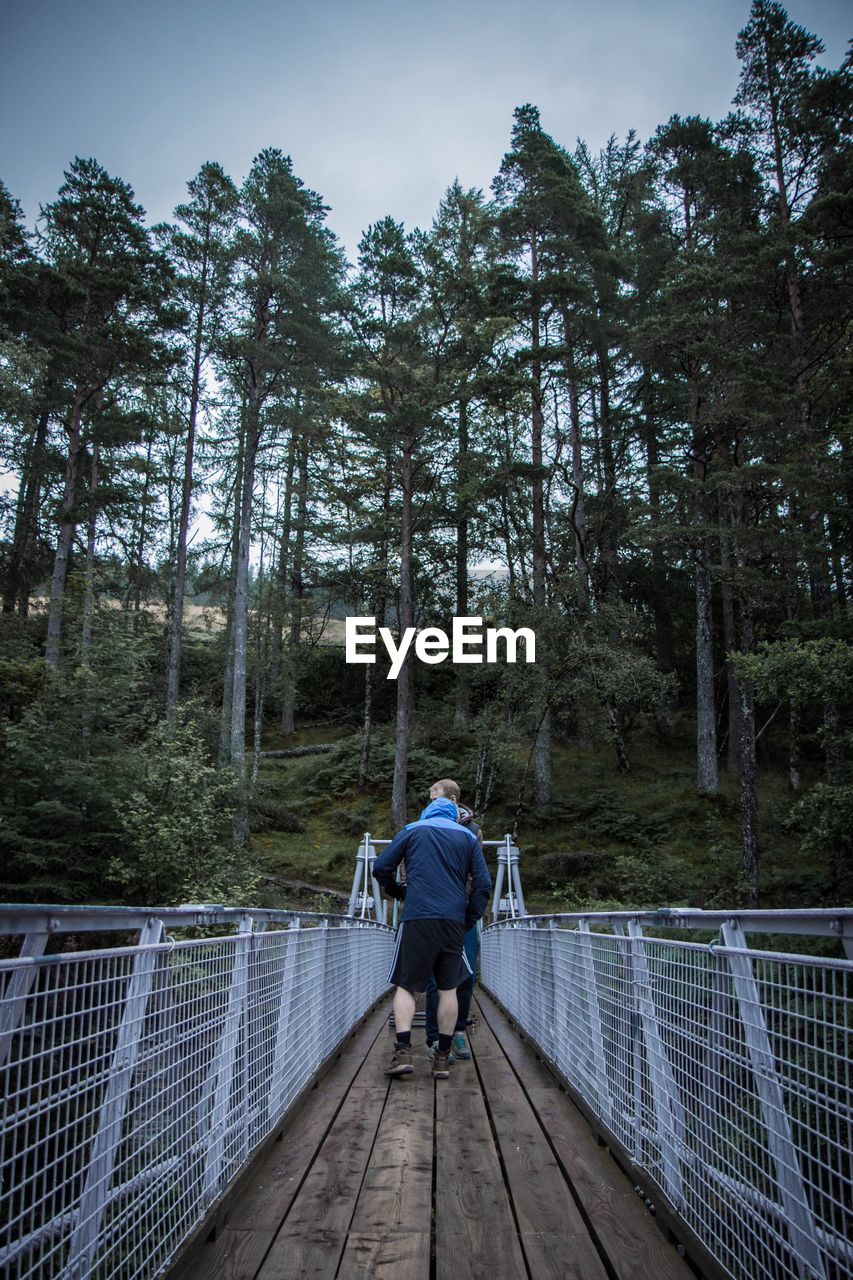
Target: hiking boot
432, 1050
440, 1065
401, 1061
459, 1046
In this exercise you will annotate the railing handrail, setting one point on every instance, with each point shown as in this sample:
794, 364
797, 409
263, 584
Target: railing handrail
824, 922
22, 918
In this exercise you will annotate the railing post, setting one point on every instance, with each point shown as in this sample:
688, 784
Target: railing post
669, 1117
366, 895
513, 858
352, 905
222, 1066
499, 881
797, 1212
93, 1200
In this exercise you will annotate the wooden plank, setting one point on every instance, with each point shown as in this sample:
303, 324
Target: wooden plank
624, 1228
312, 1237
395, 1202
398, 1255
554, 1235
239, 1249
515, 1048
475, 1232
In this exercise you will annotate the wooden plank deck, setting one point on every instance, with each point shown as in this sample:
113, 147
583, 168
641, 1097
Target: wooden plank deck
493, 1173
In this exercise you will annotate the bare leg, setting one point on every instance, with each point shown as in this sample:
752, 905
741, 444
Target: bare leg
448, 1008
404, 1009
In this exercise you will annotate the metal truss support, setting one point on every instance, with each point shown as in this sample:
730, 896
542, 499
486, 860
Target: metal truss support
594, 1033
286, 1022
365, 900
225, 1059
508, 898
789, 1178
108, 1134
18, 988
668, 1112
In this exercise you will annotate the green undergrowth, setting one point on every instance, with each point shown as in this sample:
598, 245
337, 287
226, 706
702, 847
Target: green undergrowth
608, 840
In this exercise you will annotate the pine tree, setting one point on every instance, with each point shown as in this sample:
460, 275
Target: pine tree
281, 342
199, 251
107, 290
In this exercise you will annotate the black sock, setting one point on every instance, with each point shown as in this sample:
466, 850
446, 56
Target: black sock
444, 1043
404, 1037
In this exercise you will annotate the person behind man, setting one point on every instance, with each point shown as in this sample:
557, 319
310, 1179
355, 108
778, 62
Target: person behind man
440, 856
465, 988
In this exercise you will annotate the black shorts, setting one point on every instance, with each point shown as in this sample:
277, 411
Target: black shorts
427, 949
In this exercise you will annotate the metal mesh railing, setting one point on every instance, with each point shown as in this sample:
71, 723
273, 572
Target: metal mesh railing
723, 1073
136, 1081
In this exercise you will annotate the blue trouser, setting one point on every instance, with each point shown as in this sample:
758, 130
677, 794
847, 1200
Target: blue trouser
464, 992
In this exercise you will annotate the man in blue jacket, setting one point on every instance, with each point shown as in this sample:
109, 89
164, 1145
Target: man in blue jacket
440, 855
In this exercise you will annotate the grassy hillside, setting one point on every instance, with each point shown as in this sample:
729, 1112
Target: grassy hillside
644, 838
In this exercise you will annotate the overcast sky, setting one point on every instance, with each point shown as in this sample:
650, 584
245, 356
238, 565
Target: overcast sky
381, 104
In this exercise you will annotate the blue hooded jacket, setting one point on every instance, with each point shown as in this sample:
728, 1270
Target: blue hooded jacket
440, 854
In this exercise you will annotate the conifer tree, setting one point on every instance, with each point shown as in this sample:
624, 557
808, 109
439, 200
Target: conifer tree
281, 342
107, 291
458, 259
552, 234
199, 251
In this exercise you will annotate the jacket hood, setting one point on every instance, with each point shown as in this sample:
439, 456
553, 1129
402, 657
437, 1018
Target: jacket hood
439, 809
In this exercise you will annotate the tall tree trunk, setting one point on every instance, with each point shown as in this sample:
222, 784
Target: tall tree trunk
89, 574
608, 537
794, 745
67, 525
176, 619
228, 680
707, 777
18, 582
297, 592
729, 640
543, 768
462, 717
143, 530
379, 608
281, 595
407, 619
241, 592
366, 729
241, 623
837, 567
260, 664
662, 618
578, 511
748, 772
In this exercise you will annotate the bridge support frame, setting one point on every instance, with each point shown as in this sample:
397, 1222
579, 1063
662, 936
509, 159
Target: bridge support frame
789, 1179
96, 1192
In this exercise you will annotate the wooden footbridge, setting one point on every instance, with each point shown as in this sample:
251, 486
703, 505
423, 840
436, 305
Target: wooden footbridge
493, 1173
198, 1092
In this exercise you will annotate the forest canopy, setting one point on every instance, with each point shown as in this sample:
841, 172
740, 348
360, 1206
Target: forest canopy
607, 400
